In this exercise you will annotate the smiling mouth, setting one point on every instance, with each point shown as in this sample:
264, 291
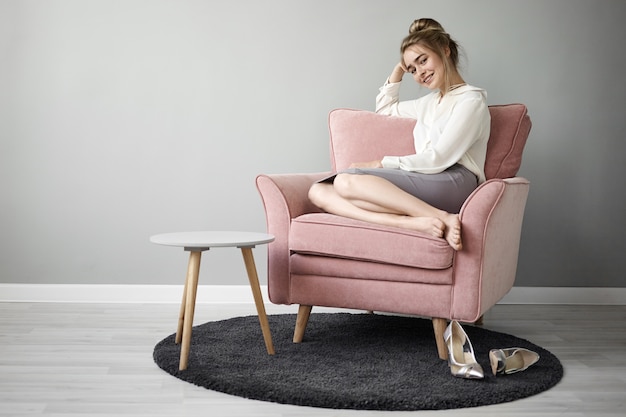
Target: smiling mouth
427, 79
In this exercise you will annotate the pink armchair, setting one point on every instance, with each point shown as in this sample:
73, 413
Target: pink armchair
320, 259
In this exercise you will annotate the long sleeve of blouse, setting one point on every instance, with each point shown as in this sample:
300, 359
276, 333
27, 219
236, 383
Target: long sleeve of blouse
449, 130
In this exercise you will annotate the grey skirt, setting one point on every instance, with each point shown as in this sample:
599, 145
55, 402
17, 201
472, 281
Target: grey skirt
446, 190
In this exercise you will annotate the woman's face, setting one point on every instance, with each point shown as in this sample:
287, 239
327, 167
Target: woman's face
425, 66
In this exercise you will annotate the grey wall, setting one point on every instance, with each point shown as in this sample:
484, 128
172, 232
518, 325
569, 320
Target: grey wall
122, 119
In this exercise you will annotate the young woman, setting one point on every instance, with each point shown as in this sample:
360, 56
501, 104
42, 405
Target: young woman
423, 191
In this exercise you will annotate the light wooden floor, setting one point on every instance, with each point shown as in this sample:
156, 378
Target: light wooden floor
96, 360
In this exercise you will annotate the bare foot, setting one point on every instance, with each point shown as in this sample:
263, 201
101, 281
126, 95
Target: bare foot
430, 225
453, 230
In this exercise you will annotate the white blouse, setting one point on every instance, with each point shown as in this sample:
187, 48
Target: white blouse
449, 130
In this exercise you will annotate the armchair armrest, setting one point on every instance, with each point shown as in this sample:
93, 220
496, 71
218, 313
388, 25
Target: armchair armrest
284, 196
484, 271
287, 194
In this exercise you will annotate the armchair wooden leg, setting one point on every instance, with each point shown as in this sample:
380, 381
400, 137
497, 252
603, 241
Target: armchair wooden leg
480, 321
304, 312
439, 326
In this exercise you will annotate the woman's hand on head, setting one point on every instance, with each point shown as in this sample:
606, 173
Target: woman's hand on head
370, 164
398, 72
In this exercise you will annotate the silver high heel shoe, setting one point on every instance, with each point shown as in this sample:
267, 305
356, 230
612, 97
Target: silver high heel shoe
511, 360
461, 353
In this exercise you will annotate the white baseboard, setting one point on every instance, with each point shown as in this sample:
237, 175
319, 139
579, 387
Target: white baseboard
566, 295
237, 294
96, 293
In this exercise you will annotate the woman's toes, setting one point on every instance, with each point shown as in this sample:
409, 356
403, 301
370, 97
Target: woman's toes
453, 231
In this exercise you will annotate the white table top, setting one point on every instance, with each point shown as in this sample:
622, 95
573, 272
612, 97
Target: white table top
212, 239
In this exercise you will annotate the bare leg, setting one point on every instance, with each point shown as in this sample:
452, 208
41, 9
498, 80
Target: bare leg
326, 197
376, 200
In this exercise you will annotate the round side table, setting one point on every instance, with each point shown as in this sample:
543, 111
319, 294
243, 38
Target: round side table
196, 243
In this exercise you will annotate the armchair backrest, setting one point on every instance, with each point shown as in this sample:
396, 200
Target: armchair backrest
360, 135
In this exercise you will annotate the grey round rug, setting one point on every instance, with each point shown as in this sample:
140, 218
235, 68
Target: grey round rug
350, 361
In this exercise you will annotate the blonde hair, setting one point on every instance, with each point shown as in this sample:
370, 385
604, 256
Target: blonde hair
430, 33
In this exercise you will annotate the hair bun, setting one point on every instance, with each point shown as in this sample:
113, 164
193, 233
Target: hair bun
423, 24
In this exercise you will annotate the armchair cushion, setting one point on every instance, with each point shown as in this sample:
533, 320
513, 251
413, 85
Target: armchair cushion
329, 235
361, 135
510, 124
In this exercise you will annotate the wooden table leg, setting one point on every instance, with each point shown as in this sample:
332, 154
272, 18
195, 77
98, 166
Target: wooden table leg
258, 298
191, 288
181, 314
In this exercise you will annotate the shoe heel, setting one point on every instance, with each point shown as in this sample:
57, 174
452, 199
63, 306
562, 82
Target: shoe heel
461, 357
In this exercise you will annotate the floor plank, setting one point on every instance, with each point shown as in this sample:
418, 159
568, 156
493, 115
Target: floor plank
68, 359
